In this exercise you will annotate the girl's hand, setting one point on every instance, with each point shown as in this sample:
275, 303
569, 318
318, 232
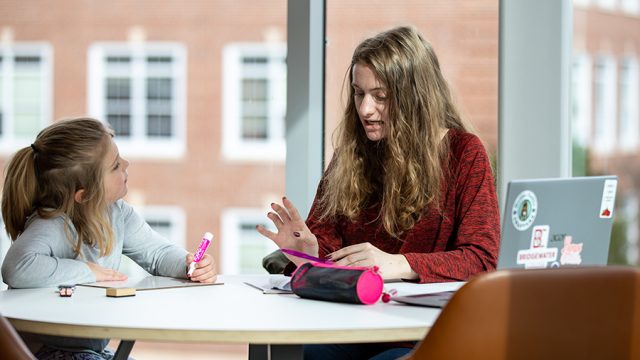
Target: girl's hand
205, 271
391, 266
292, 232
104, 274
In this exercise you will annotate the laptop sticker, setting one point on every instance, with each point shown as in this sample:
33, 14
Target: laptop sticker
608, 198
524, 210
540, 236
571, 252
538, 255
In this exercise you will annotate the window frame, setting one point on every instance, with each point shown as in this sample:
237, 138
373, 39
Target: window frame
231, 221
581, 94
234, 147
175, 215
628, 114
9, 142
139, 144
604, 112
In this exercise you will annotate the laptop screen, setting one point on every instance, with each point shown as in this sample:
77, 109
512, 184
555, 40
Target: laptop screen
551, 223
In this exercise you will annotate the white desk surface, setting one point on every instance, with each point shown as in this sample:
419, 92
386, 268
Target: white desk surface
229, 313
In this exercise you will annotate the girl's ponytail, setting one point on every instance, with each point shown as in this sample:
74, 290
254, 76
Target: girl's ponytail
20, 191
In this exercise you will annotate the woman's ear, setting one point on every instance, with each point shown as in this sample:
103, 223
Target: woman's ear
79, 196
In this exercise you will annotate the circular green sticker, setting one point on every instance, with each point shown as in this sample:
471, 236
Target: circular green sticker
524, 210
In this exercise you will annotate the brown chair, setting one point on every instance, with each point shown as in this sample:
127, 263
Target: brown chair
567, 313
11, 344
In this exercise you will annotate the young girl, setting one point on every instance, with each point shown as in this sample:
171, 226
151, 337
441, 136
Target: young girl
62, 206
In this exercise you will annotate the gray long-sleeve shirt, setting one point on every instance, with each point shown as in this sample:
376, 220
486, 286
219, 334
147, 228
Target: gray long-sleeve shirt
42, 256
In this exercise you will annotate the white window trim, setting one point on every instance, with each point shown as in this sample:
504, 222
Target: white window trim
582, 82
174, 214
229, 248
630, 134
608, 5
582, 3
605, 121
5, 242
9, 143
233, 146
178, 219
631, 7
139, 145
630, 214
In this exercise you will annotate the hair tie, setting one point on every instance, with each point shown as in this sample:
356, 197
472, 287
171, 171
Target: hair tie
33, 147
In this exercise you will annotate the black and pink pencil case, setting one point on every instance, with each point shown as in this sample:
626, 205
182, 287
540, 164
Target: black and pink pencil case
348, 284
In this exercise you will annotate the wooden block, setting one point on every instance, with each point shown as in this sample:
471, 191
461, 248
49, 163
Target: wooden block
120, 292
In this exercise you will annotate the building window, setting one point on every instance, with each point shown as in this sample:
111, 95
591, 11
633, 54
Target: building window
25, 93
631, 7
140, 91
581, 100
243, 247
605, 105
629, 129
254, 99
5, 242
609, 5
582, 3
169, 222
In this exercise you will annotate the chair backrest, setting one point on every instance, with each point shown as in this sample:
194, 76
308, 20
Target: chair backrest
566, 313
11, 344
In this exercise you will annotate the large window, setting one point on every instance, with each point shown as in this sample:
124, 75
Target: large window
629, 129
139, 90
168, 221
605, 31
244, 248
5, 242
631, 7
25, 93
605, 104
254, 101
581, 99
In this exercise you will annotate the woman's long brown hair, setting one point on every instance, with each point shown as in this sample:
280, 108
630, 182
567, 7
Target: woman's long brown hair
403, 172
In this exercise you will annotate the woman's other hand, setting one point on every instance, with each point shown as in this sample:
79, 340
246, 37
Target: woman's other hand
391, 266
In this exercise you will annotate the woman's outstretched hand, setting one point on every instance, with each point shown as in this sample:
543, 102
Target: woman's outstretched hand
292, 232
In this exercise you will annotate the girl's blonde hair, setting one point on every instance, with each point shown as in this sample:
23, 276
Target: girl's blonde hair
404, 171
43, 178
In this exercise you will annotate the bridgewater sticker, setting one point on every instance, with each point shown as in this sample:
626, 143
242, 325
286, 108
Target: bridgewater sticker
536, 258
538, 255
608, 198
524, 210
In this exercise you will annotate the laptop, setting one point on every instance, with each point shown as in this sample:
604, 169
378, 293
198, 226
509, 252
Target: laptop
550, 223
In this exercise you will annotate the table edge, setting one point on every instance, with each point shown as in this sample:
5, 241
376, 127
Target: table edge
222, 336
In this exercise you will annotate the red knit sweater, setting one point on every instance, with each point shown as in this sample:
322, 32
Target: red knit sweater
438, 248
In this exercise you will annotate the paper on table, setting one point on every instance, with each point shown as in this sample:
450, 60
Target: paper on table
149, 283
275, 285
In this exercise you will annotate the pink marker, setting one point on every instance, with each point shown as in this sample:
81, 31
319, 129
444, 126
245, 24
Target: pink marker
204, 244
